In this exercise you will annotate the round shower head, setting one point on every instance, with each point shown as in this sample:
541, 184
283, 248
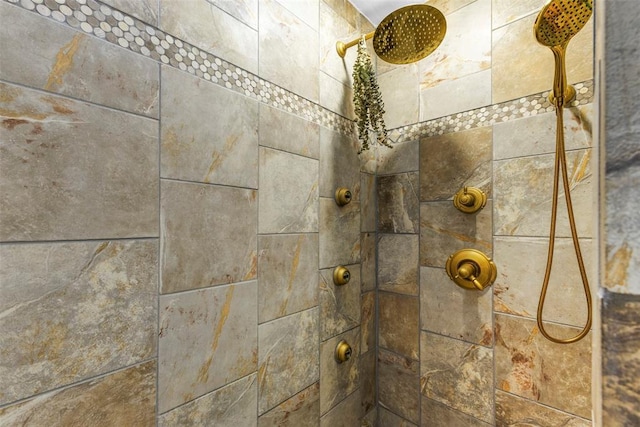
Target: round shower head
560, 20
409, 34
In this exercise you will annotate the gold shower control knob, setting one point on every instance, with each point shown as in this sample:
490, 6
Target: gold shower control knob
343, 352
470, 200
471, 269
341, 275
343, 196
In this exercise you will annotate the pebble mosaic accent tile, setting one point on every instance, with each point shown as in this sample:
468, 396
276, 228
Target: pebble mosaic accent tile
130, 33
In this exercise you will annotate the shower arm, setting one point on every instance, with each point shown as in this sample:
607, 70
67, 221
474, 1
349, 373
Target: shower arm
342, 47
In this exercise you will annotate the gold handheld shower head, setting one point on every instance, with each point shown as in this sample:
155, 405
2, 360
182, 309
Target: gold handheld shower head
555, 25
406, 35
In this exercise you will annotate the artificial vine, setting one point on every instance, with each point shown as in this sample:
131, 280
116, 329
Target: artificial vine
367, 100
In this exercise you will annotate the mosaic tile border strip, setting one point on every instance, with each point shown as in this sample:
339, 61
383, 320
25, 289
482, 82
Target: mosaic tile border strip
114, 26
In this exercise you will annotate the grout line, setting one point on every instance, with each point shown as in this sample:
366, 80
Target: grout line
94, 240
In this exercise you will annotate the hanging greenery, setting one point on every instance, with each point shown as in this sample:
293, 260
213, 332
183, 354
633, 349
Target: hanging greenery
367, 100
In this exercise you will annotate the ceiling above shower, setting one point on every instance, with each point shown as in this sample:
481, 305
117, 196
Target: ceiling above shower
376, 10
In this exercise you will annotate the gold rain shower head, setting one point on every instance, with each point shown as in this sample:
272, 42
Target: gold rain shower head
406, 35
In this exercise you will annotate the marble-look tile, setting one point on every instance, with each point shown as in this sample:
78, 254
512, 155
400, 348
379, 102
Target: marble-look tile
451, 161
297, 338
221, 151
515, 411
537, 134
307, 10
368, 379
505, 11
444, 230
368, 322
70, 170
403, 157
368, 202
398, 263
533, 70
73, 310
339, 233
336, 96
339, 305
453, 96
339, 163
457, 374
520, 262
288, 196
466, 48
448, 309
523, 192
124, 398
301, 410
208, 235
435, 414
368, 264
145, 10
285, 39
214, 30
449, 6
398, 203
620, 361
335, 26
389, 419
399, 324
338, 380
399, 385
231, 405
58, 59
287, 132
370, 419
530, 366
346, 413
401, 101
224, 151
243, 10
287, 274
208, 338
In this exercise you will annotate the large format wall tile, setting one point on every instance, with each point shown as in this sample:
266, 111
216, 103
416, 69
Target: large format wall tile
521, 263
399, 324
338, 380
287, 357
512, 410
212, 29
445, 370
368, 266
220, 151
58, 59
368, 202
368, 381
70, 170
209, 235
399, 383
435, 414
285, 39
231, 405
451, 161
389, 419
523, 190
339, 163
529, 365
306, 10
339, 233
124, 398
74, 310
346, 414
336, 96
287, 132
208, 338
401, 101
288, 196
244, 10
339, 305
301, 410
398, 263
453, 96
444, 230
506, 11
368, 322
334, 25
398, 203
146, 10
448, 309
287, 274
403, 157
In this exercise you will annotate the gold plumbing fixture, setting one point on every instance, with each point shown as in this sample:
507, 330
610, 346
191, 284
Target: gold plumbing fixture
343, 352
471, 269
406, 35
555, 25
470, 200
343, 196
341, 275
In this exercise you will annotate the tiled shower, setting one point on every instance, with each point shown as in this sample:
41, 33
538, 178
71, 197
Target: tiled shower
169, 231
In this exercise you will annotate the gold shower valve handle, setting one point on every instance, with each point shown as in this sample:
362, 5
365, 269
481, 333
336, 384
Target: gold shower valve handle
470, 200
471, 269
341, 275
343, 352
343, 196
